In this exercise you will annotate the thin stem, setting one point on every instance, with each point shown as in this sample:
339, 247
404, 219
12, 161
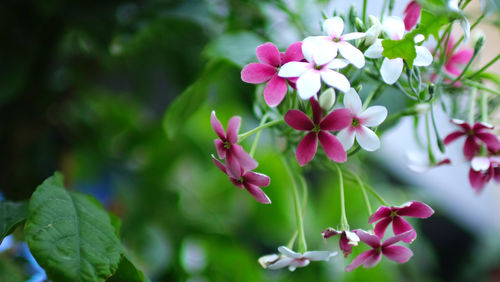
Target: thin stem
472, 105
374, 93
364, 11
257, 136
463, 36
383, 10
438, 138
485, 67
474, 55
343, 218
480, 86
432, 159
484, 107
304, 193
243, 136
365, 195
377, 195
292, 240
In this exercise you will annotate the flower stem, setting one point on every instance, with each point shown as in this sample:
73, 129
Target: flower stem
472, 105
383, 10
363, 189
372, 95
480, 86
343, 218
377, 195
476, 52
485, 67
243, 136
432, 159
484, 107
257, 136
364, 11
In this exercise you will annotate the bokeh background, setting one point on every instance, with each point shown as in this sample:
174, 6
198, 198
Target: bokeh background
84, 88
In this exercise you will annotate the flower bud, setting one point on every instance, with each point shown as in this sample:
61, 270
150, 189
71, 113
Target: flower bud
352, 14
327, 99
374, 31
478, 42
358, 24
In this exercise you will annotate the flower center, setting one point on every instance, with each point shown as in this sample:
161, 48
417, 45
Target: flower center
355, 122
316, 128
227, 145
336, 39
318, 67
470, 132
393, 214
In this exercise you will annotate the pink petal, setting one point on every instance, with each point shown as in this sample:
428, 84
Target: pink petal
329, 233
360, 259
399, 226
479, 126
244, 159
332, 147
257, 193
478, 179
336, 120
373, 260
217, 126
219, 164
293, 53
298, 120
371, 240
258, 179
344, 245
382, 212
221, 150
307, 148
316, 110
269, 54
233, 126
416, 209
464, 125
412, 13
401, 237
490, 140
232, 164
257, 73
399, 254
381, 226
452, 137
462, 57
496, 174
373, 116
470, 147
275, 91
452, 69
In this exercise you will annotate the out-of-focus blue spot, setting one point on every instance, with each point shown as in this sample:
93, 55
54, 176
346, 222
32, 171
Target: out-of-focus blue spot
38, 274
99, 188
6, 243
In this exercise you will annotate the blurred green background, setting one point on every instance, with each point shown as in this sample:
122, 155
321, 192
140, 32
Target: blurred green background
84, 86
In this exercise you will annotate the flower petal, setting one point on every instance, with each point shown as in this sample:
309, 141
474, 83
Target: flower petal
352, 54
452, 137
423, 58
352, 101
353, 35
400, 225
289, 253
373, 116
307, 148
360, 259
308, 84
256, 178
367, 139
478, 179
490, 140
381, 226
470, 147
269, 54
244, 159
394, 27
335, 79
316, 110
298, 120
319, 255
293, 53
332, 147
217, 126
400, 237
381, 212
416, 209
232, 165
221, 150
326, 50
219, 164
280, 263
275, 91
412, 13
372, 260
391, 70
336, 120
375, 50
294, 69
337, 64
399, 254
334, 27
462, 57
257, 73
257, 193
480, 163
369, 239
233, 126
346, 137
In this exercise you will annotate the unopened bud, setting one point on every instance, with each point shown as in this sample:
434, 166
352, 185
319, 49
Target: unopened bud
358, 24
327, 99
374, 31
478, 43
432, 87
353, 13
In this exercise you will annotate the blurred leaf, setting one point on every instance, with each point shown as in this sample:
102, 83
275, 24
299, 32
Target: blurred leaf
11, 214
127, 272
10, 272
430, 24
69, 235
116, 223
404, 48
239, 47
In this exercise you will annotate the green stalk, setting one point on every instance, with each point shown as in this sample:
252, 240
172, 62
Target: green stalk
365, 195
383, 10
480, 86
432, 159
472, 105
374, 93
364, 11
438, 138
466, 68
257, 136
243, 136
377, 195
485, 67
463, 36
344, 225
484, 107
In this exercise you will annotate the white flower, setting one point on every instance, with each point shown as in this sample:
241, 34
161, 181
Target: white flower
334, 41
311, 73
392, 68
374, 31
292, 260
372, 116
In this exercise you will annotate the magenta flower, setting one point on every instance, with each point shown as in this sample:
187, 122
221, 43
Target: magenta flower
251, 181
267, 70
372, 257
412, 13
318, 128
237, 159
385, 215
456, 58
482, 170
347, 239
475, 135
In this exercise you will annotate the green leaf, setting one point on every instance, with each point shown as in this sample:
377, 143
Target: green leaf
431, 23
238, 48
404, 48
116, 222
11, 215
69, 235
127, 272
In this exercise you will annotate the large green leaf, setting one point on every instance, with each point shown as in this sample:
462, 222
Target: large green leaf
127, 272
404, 48
69, 235
11, 214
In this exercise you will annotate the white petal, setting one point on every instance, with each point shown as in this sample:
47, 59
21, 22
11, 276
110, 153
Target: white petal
375, 50
394, 27
423, 58
335, 79
265, 261
480, 163
294, 69
367, 139
289, 253
337, 64
453, 5
352, 101
353, 35
325, 52
373, 116
488, 6
352, 54
296, 264
346, 137
391, 70
353, 238
334, 26
309, 46
309, 84
419, 38
464, 23
282, 262
319, 255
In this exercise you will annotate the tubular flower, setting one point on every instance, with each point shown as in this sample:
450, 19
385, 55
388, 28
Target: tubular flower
475, 135
412, 13
347, 239
318, 128
251, 181
267, 70
359, 122
292, 260
482, 170
372, 257
385, 215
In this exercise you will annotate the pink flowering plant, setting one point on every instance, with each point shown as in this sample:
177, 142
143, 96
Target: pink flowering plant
324, 101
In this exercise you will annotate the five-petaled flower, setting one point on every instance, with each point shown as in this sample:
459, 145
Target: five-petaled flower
267, 70
385, 215
311, 73
475, 135
292, 260
318, 128
249, 180
347, 239
482, 170
412, 13
372, 257
237, 159
359, 122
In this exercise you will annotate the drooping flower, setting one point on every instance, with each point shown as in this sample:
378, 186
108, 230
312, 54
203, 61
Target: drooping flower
293, 260
475, 136
482, 170
359, 122
412, 13
385, 215
267, 70
251, 181
391, 69
318, 128
419, 162
371, 258
237, 159
311, 73
455, 58
334, 42
347, 239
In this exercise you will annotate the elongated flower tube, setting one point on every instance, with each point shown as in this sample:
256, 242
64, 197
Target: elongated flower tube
293, 260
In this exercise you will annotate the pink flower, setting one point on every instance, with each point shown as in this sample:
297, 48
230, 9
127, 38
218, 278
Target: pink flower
318, 128
482, 170
385, 215
292, 260
372, 257
237, 159
412, 13
249, 180
267, 70
347, 239
457, 58
475, 135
